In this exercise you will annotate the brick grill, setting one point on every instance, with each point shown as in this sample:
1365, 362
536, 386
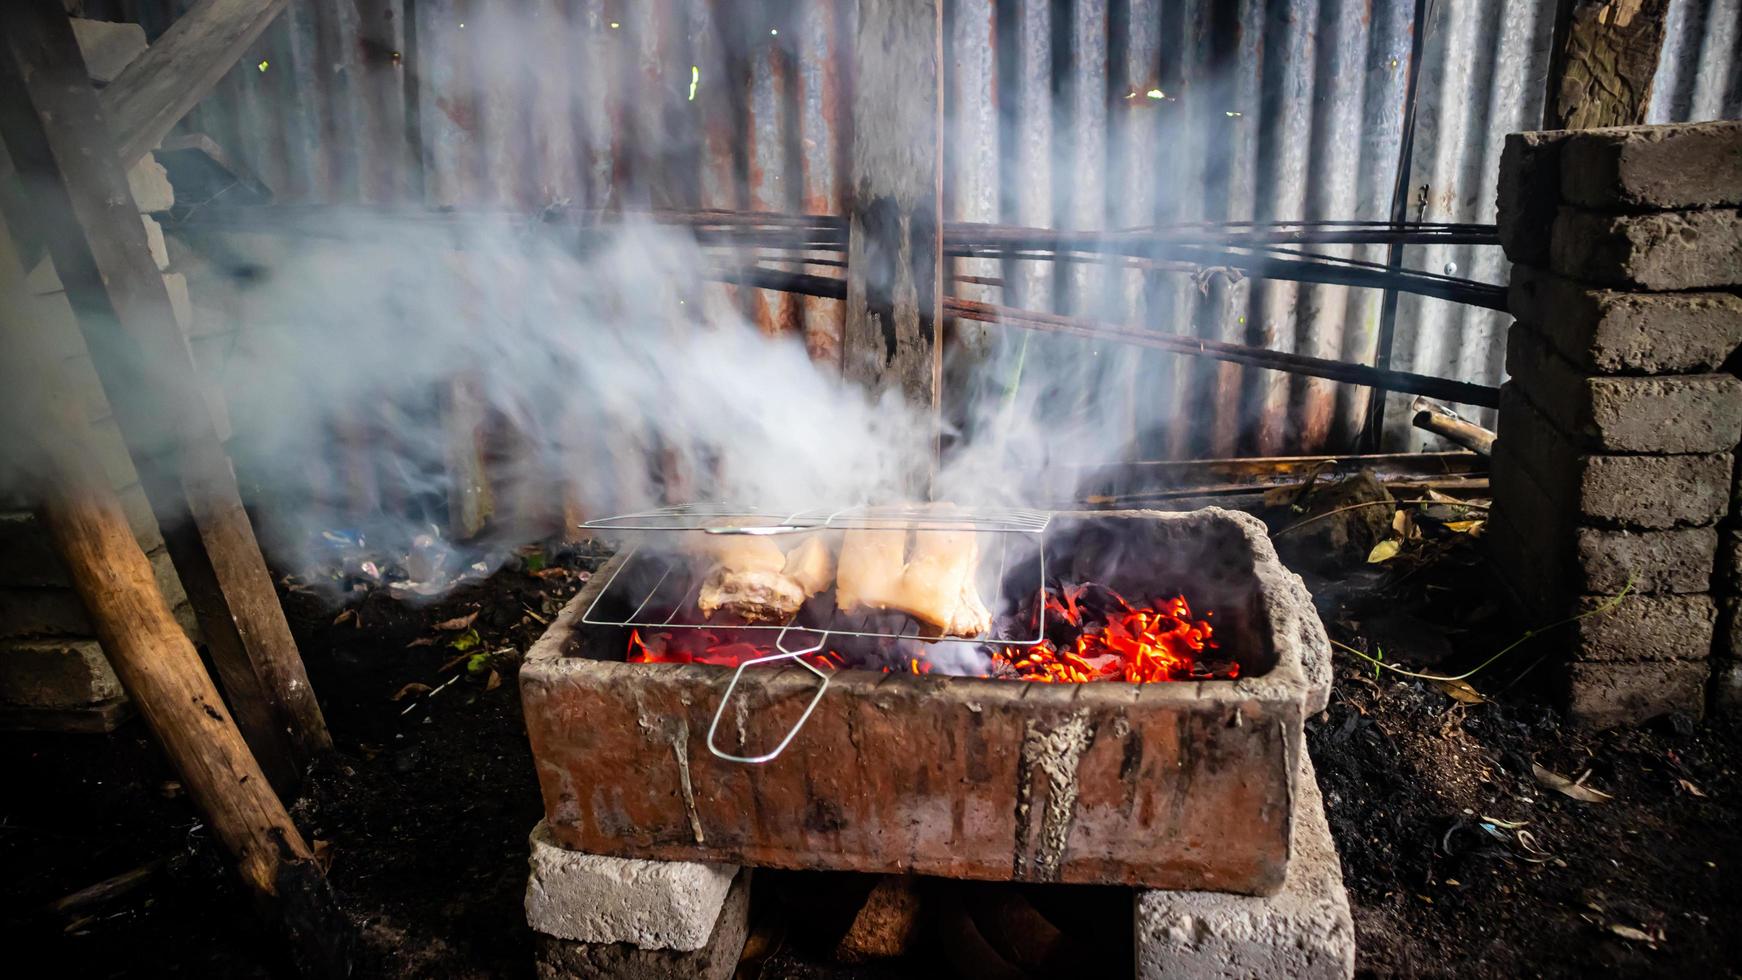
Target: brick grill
1181, 785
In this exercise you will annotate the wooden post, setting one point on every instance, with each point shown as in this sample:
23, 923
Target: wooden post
894, 211
154, 659
1604, 61
60, 143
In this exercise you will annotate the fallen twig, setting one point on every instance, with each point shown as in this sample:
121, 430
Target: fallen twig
1377, 503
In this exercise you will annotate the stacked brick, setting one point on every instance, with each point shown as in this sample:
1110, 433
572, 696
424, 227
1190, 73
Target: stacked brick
1615, 463
52, 670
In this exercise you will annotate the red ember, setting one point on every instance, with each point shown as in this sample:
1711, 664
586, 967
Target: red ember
1094, 634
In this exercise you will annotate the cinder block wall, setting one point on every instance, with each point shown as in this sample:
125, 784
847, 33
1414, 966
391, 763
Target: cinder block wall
52, 670
1615, 466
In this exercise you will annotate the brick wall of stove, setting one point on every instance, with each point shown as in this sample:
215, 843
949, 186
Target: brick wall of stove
1615, 467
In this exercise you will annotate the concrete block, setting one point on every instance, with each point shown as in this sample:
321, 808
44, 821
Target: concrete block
1303, 931
1691, 490
1728, 576
107, 47
1605, 331
1644, 627
140, 517
1526, 530
38, 613
43, 279
1528, 194
27, 556
80, 377
53, 673
1606, 695
1726, 687
564, 959
1685, 165
176, 285
1683, 413
594, 899
1662, 251
154, 239
55, 610
1535, 580
150, 185
1677, 560
105, 442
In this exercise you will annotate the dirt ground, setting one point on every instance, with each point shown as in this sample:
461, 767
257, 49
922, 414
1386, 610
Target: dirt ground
1457, 859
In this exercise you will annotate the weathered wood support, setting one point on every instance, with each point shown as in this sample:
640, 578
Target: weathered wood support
159, 87
61, 144
894, 209
154, 659
1604, 62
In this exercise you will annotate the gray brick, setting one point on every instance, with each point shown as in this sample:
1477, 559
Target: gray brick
1552, 562
1664, 251
1682, 413
150, 185
1606, 331
1643, 627
1678, 560
1728, 577
37, 613
1646, 492
55, 674
1605, 695
1528, 193
1685, 165
27, 556
107, 47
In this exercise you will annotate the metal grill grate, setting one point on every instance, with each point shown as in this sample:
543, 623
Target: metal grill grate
659, 586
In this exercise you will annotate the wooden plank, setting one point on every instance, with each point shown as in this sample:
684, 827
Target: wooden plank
895, 216
159, 87
54, 128
1604, 63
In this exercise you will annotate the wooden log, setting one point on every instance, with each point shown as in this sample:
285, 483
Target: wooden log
1430, 417
471, 502
895, 217
154, 659
1605, 62
60, 141
157, 88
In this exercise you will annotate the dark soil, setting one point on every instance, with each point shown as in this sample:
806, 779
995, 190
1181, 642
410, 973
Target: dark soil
1457, 860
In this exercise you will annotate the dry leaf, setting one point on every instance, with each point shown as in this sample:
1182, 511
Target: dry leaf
414, 687
1630, 933
1460, 691
457, 623
1549, 779
1464, 527
422, 641
1691, 788
1384, 551
494, 682
347, 616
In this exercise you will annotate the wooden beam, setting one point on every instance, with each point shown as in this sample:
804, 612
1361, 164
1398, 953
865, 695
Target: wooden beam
60, 142
152, 93
155, 661
894, 210
1604, 62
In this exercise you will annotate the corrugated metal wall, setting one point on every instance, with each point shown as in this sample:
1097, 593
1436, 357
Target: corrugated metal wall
1067, 113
